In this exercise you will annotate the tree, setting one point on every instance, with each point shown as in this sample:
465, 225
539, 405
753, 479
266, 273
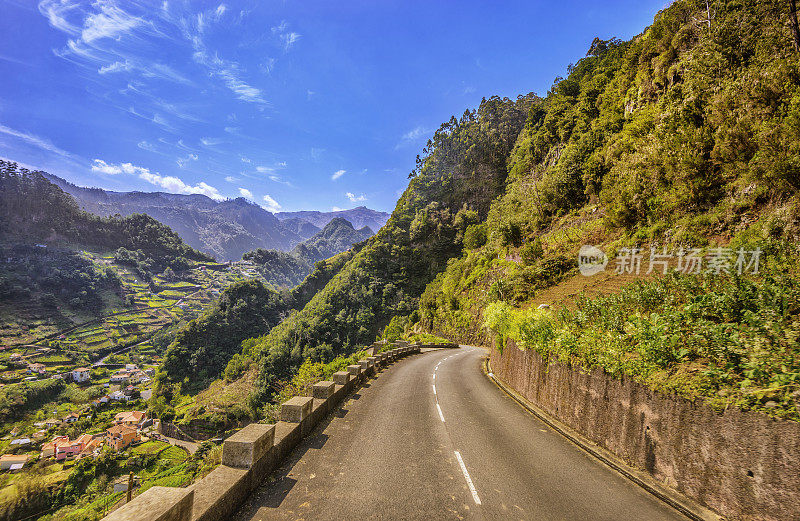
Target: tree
795, 27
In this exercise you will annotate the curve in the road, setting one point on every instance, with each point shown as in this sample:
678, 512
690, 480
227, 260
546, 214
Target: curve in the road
433, 438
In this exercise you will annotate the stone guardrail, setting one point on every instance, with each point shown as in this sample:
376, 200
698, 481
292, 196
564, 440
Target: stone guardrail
252, 453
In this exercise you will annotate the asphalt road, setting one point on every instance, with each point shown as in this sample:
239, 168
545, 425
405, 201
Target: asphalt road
404, 449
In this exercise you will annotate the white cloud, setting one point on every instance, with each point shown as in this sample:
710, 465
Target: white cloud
246, 160
272, 205
280, 28
116, 67
412, 136
169, 183
244, 192
229, 71
336, 209
339, 173
144, 145
354, 198
289, 39
176, 185
211, 141
278, 179
104, 168
110, 22
221, 10
231, 179
35, 141
183, 161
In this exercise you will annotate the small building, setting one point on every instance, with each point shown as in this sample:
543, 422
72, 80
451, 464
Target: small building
13, 461
131, 368
21, 442
52, 422
68, 449
37, 368
81, 374
120, 437
49, 448
72, 417
122, 377
130, 418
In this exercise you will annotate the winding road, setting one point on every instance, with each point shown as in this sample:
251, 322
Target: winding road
433, 438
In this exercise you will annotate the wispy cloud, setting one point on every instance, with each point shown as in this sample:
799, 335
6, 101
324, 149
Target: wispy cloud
271, 205
355, 198
169, 183
287, 37
339, 173
211, 141
36, 141
183, 161
412, 136
230, 72
145, 145
231, 179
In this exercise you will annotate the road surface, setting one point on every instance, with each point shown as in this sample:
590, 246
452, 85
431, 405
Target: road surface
412, 445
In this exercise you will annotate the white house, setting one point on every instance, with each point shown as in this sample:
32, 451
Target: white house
81, 374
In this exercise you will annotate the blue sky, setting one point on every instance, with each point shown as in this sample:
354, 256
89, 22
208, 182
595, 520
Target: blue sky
292, 104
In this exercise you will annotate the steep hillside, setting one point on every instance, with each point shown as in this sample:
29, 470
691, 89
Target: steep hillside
204, 347
337, 236
359, 217
32, 209
463, 171
683, 137
287, 270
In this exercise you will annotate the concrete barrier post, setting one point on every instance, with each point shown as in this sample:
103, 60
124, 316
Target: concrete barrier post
365, 367
323, 390
244, 448
373, 363
355, 371
296, 409
341, 378
157, 504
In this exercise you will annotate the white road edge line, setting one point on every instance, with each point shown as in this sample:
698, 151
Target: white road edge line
441, 416
469, 480
434, 389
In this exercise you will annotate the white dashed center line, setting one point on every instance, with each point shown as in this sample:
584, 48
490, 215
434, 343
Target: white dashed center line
458, 454
469, 480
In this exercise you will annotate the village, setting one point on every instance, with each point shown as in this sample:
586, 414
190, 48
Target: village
129, 427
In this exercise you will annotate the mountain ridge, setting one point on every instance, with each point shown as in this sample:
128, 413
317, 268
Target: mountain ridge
226, 229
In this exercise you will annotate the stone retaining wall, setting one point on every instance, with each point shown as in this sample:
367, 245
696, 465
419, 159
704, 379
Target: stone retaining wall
251, 454
743, 465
